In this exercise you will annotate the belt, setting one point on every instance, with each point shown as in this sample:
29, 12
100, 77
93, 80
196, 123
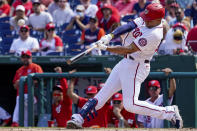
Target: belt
130, 57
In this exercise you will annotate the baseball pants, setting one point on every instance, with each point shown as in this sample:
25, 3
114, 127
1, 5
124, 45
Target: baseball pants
128, 76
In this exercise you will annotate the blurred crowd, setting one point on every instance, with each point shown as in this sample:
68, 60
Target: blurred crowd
68, 27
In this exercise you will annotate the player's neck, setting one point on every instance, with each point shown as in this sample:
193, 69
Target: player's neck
152, 99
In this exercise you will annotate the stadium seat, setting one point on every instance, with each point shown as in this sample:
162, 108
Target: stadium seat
4, 26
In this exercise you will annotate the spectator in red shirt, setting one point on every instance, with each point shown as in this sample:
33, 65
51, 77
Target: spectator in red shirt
107, 18
117, 113
62, 106
91, 91
4, 8
101, 3
26, 3
27, 68
125, 6
51, 42
192, 39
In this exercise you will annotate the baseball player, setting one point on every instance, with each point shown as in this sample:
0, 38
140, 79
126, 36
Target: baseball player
117, 113
143, 36
62, 106
91, 91
155, 98
27, 68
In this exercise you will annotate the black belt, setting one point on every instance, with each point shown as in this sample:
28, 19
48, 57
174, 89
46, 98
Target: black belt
130, 57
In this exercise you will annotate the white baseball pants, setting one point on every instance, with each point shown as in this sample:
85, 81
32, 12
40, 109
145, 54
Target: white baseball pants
128, 76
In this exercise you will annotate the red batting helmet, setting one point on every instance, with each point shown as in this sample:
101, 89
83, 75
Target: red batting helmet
154, 83
153, 11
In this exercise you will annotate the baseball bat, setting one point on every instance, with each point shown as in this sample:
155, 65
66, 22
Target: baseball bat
80, 55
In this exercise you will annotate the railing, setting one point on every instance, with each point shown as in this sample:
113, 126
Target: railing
50, 76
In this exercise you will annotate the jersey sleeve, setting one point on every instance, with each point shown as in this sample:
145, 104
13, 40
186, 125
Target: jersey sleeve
81, 102
58, 41
16, 77
138, 21
39, 69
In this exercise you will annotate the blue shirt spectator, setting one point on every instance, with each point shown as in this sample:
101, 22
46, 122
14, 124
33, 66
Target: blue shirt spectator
140, 6
192, 12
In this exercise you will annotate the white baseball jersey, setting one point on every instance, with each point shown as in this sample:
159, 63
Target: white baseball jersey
146, 39
150, 122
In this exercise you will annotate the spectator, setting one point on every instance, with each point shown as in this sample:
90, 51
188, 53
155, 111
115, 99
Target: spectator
108, 19
80, 20
63, 14
54, 5
39, 19
26, 3
92, 34
179, 13
171, 8
27, 68
24, 42
175, 40
46, 2
20, 15
193, 12
117, 113
90, 9
155, 98
125, 7
5, 117
4, 8
140, 6
51, 42
62, 104
101, 119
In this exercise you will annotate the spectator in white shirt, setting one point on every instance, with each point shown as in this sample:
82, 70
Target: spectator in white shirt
54, 6
24, 42
39, 19
155, 98
20, 14
90, 9
63, 14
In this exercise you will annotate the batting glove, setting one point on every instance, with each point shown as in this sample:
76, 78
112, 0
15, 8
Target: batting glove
101, 46
106, 39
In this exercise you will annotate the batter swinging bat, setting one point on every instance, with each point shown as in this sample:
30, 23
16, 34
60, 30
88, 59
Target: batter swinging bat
79, 56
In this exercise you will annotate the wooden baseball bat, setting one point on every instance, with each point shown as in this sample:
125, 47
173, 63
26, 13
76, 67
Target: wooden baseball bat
79, 56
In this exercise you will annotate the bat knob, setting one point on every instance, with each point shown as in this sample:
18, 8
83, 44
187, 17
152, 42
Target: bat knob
69, 62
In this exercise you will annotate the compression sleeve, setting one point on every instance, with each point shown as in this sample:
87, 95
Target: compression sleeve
124, 29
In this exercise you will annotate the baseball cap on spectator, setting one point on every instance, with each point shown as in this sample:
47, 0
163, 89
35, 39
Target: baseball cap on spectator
154, 83
26, 53
24, 27
58, 87
91, 90
50, 26
106, 6
36, 2
80, 8
153, 11
20, 7
117, 97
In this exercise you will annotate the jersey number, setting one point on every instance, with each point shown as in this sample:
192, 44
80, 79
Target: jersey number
137, 33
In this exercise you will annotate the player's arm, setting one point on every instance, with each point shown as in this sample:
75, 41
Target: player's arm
70, 92
117, 113
122, 50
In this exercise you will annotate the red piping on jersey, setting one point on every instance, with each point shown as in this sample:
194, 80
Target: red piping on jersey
125, 38
134, 95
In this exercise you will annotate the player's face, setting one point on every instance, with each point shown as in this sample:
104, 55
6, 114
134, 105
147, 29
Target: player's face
117, 103
152, 23
26, 60
154, 91
90, 95
57, 96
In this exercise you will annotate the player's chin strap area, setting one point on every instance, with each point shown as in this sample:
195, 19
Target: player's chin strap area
89, 109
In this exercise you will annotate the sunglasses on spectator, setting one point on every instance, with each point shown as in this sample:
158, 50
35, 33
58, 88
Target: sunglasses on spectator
116, 102
52, 29
154, 88
23, 30
56, 94
25, 56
